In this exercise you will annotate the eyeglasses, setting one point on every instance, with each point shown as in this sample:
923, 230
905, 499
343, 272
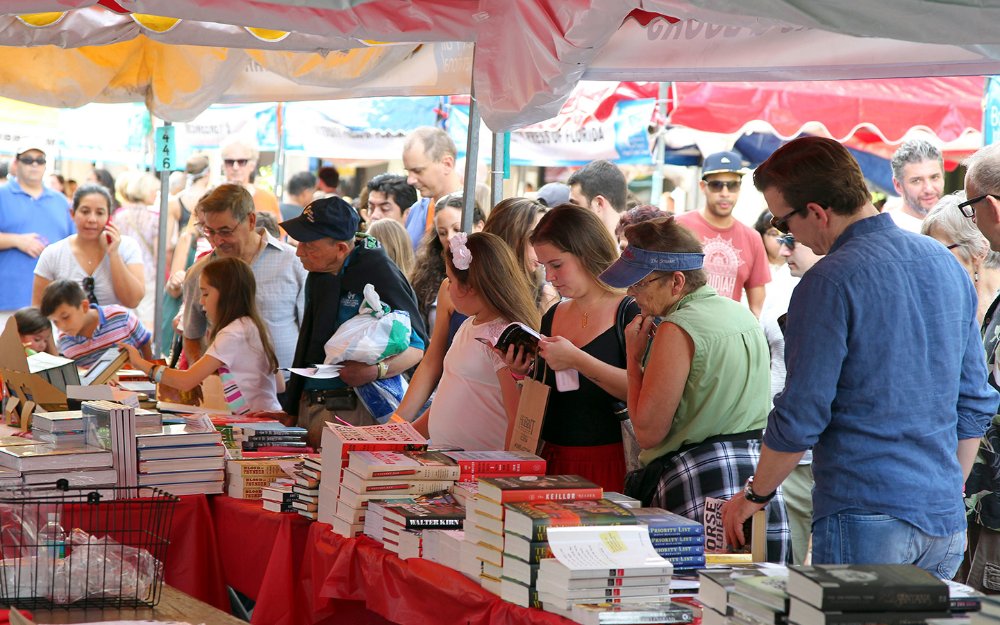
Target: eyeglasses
788, 241
642, 284
716, 186
88, 287
967, 207
781, 223
235, 162
222, 233
27, 160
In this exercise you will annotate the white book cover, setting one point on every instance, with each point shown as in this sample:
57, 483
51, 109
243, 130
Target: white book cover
604, 547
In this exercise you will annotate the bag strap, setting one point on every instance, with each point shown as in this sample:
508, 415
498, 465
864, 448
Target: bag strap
620, 321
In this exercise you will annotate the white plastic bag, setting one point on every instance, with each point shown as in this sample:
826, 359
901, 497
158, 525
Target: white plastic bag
372, 335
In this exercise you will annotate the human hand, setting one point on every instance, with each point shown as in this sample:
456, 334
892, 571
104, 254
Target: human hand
637, 334
559, 353
278, 415
734, 513
175, 282
355, 373
110, 238
30, 243
135, 358
517, 358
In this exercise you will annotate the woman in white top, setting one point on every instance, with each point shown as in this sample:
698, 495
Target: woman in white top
108, 265
476, 401
240, 350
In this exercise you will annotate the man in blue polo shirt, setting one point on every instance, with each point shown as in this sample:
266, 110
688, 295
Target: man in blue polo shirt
31, 217
886, 375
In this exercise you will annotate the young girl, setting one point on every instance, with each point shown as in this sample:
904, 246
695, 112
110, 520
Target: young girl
35, 331
240, 349
486, 283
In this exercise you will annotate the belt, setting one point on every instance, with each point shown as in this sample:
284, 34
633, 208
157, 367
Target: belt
320, 395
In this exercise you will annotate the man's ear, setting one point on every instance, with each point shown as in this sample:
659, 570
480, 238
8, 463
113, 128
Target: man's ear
898, 187
85, 305
252, 220
448, 161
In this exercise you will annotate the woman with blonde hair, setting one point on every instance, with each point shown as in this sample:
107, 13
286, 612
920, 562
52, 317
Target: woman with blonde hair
396, 243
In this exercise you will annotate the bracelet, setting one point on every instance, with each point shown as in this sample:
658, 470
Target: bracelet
152, 373
754, 497
516, 376
383, 369
159, 373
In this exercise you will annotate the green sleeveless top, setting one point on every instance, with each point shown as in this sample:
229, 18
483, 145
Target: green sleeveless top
727, 387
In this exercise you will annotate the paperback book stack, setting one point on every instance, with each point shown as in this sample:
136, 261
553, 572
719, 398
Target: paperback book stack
894, 594
375, 475
270, 436
247, 478
374, 522
485, 514
760, 599
444, 547
337, 441
602, 564
182, 459
717, 586
676, 538
110, 425
403, 525
44, 463
526, 530
278, 496
306, 487
67, 428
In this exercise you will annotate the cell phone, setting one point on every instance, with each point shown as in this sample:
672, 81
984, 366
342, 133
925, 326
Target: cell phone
107, 237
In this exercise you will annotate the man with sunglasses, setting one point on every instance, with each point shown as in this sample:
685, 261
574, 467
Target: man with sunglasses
31, 217
735, 258
239, 166
886, 376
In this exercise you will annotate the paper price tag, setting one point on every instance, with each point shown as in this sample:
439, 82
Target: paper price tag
166, 149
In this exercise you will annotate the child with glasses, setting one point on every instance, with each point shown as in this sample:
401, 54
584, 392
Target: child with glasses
87, 331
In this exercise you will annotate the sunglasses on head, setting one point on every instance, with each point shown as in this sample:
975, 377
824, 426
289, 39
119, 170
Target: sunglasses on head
717, 185
235, 162
88, 288
28, 160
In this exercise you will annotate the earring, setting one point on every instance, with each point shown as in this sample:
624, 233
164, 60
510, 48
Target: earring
975, 276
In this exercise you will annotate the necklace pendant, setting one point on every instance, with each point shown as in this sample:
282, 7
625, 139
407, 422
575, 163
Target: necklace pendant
585, 320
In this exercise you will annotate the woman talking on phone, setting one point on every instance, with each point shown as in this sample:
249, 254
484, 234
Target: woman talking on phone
106, 264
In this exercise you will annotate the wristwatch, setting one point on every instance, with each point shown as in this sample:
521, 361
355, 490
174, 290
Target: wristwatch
383, 369
754, 497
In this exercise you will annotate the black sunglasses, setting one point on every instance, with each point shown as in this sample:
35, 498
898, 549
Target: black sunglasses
967, 207
781, 223
238, 162
27, 160
88, 287
716, 185
788, 241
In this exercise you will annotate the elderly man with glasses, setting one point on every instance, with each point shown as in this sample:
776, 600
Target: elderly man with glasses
239, 166
228, 221
735, 258
886, 378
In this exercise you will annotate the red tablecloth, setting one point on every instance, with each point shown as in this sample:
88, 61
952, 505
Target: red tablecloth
410, 592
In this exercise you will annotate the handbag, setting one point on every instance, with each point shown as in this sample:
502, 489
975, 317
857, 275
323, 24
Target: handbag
629, 441
530, 412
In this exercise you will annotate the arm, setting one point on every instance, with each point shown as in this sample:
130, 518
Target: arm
421, 423
182, 380
967, 450
128, 281
29, 243
755, 299
192, 348
428, 374
772, 469
652, 406
37, 288
358, 374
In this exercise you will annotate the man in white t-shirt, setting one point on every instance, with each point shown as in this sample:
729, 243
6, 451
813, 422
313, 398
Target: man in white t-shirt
918, 177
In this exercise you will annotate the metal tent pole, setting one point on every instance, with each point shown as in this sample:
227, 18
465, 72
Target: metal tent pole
471, 157
161, 252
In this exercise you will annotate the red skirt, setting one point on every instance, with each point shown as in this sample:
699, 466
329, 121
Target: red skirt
603, 465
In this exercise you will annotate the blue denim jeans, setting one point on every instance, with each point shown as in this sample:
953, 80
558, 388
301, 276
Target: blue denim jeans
853, 538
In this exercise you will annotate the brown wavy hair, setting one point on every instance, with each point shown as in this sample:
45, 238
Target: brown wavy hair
580, 232
495, 275
237, 298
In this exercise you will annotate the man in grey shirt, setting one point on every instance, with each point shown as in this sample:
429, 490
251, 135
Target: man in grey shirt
229, 224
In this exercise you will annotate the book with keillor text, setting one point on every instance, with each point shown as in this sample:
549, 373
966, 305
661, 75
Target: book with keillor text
533, 519
538, 488
847, 587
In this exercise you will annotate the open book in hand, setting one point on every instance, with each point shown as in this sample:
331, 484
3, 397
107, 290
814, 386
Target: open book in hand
516, 334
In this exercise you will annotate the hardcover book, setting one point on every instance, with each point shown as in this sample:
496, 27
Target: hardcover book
873, 587
177, 434
50, 458
538, 488
401, 484
621, 614
770, 590
802, 613
662, 523
425, 516
532, 520
495, 463
422, 465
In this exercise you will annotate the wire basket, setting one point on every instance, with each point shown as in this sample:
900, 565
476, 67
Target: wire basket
111, 554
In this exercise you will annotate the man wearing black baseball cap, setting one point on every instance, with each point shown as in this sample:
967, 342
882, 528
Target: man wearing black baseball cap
340, 263
735, 258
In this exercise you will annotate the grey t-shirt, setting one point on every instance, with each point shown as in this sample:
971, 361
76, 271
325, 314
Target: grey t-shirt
58, 263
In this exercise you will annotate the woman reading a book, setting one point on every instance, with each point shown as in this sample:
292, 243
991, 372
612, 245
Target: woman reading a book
582, 432
240, 350
476, 400
698, 379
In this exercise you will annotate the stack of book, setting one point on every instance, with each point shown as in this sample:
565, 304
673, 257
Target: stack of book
988, 614
306, 487
485, 516
340, 439
59, 428
403, 525
895, 594
479, 464
760, 598
631, 613
270, 436
44, 463
278, 496
444, 547
110, 425
526, 544
601, 564
676, 538
247, 478
373, 520
375, 475
717, 586
182, 459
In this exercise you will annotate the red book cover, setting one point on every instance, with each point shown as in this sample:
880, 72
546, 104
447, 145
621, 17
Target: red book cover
538, 488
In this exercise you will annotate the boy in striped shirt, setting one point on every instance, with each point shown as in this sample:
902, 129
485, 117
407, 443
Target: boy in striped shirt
88, 331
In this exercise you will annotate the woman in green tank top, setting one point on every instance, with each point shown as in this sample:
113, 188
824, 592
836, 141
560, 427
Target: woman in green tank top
698, 373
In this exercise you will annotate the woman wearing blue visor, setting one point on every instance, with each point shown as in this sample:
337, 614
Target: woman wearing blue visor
698, 379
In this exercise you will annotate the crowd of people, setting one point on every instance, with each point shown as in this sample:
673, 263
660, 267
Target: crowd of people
827, 362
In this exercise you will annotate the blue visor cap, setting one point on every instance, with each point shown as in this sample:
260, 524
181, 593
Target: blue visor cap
636, 263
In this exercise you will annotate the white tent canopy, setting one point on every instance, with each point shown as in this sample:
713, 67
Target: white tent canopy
529, 53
